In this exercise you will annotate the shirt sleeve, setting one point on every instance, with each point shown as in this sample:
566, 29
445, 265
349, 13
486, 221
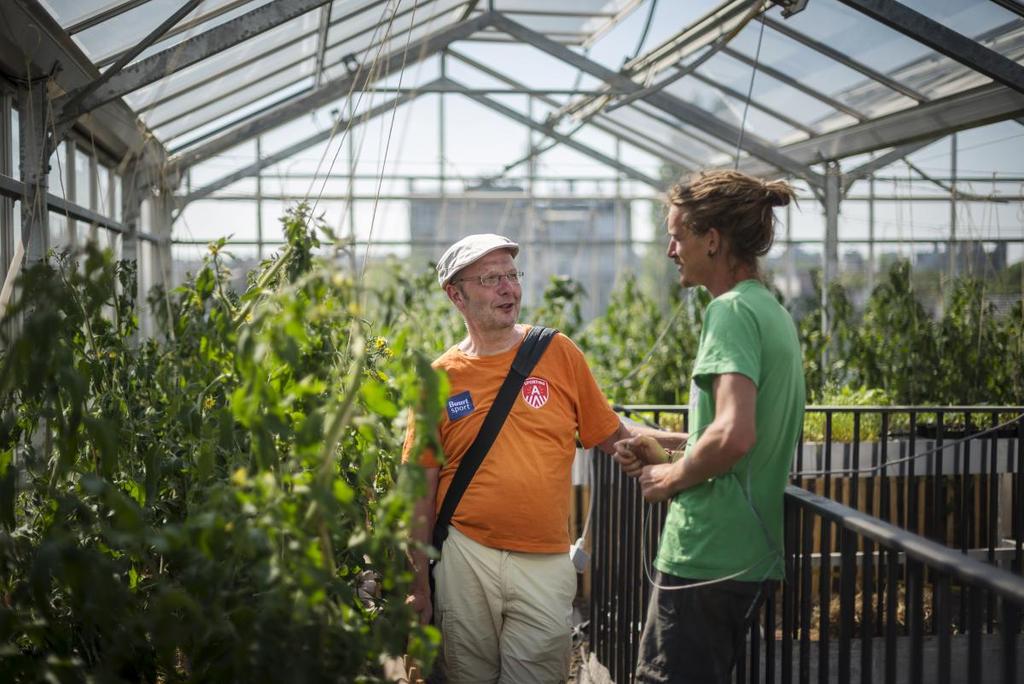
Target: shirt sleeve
427, 457
595, 419
730, 343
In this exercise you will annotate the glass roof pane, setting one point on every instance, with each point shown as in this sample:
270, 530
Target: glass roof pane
228, 104
767, 90
249, 81
584, 17
968, 17
296, 39
186, 135
125, 30
373, 25
213, 13
366, 45
854, 34
730, 109
68, 12
680, 139
798, 61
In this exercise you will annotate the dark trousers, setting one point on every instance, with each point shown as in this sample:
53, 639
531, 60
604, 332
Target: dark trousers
694, 636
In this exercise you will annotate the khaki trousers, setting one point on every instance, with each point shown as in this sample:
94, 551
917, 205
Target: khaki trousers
505, 616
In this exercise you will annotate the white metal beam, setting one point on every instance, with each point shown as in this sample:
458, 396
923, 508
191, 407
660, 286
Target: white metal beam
193, 50
330, 91
296, 148
549, 131
681, 110
73, 105
979, 106
938, 37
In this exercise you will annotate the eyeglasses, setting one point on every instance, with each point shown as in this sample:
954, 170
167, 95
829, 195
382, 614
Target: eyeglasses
492, 280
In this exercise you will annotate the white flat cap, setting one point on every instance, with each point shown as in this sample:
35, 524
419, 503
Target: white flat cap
468, 250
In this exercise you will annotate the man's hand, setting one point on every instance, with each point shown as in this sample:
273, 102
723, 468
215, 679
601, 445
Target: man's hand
420, 600
635, 453
658, 482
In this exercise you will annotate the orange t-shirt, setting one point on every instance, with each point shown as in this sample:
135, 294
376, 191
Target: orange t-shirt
518, 499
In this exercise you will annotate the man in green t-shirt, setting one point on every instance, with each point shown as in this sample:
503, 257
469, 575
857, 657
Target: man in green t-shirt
723, 536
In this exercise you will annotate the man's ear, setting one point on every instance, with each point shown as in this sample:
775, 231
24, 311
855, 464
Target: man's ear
714, 240
454, 295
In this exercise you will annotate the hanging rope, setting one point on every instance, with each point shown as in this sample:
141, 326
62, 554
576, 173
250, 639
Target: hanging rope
750, 92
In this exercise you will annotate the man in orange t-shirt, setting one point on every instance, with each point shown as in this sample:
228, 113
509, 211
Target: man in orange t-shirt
505, 584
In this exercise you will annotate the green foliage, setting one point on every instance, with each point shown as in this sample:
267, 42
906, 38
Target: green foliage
639, 352
968, 355
225, 505
870, 427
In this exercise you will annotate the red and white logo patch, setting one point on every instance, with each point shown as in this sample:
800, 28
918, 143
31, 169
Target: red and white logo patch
535, 391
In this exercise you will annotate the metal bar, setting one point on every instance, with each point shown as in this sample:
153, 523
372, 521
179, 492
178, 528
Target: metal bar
240, 86
775, 114
847, 595
186, 53
1012, 5
330, 91
683, 111
943, 627
968, 109
321, 49
824, 601
796, 84
647, 144
936, 556
915, 617
1010, 628
103, 15
843, 59
88, 97
235, 66
974, 659
293, 149
938, 37
891, 626
597, 155
16, 189
805, 595
864, 170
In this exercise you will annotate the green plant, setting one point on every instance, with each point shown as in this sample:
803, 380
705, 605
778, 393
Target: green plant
222, 505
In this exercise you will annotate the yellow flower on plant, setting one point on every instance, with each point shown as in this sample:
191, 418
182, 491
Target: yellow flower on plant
209, 403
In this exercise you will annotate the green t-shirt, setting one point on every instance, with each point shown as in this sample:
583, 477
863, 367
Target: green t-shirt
711, 530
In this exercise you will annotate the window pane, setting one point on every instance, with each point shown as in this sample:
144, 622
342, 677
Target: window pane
83, 180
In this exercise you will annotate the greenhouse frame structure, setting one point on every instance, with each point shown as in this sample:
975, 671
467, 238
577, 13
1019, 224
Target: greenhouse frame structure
118, 101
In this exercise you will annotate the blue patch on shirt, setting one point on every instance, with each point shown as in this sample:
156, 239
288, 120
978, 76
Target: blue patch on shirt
460, 406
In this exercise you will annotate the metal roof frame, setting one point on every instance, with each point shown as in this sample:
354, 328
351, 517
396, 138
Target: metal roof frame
901, 129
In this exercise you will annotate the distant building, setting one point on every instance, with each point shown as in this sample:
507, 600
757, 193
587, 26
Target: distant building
585, 239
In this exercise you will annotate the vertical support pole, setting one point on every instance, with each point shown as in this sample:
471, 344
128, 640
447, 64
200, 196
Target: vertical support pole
872, 266
259, 200
350, 140
131, 211
442, 143
66, 186
952, 207
35, 148
792, 288
6, 168
94, 195
530, 216
830, 248
620, 216
163, 227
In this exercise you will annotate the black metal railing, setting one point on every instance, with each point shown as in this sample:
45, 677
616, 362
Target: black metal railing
867, 596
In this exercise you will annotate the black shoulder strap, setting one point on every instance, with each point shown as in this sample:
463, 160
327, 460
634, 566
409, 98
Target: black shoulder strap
530, 351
